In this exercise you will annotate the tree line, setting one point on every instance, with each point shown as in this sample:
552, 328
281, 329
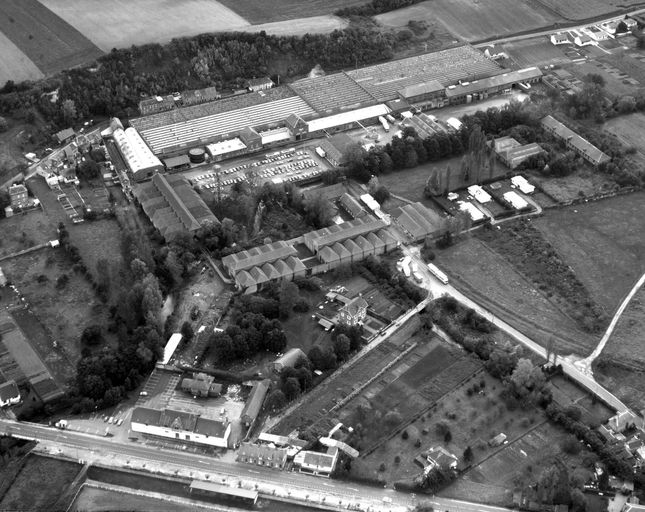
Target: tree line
115, 83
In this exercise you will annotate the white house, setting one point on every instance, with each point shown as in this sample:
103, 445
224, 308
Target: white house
440, 458
181, 426
559, 38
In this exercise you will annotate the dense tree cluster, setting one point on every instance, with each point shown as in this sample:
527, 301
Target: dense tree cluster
391, 283
374, 7
596, 442
251, 333
117, 81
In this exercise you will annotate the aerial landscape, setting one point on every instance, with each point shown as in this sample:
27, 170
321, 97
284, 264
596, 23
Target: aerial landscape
292, 255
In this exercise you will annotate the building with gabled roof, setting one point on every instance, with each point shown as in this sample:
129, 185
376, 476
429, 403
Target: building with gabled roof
575, 142
181, 426
351, 206
366, 247
417, 221
439, 458
354, 312
65, 136
254, 402
267, 253
173, 206
288, 360
259, 84
341, 232
316, 463
262, 455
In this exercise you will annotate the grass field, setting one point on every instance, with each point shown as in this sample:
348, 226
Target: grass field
630, 130
603, 242
628, 339
478, 20
535, 52
494, 283
616, 80
121, 23
48, 41
39, 484
583, 182
91, 498
582, 9
15, 65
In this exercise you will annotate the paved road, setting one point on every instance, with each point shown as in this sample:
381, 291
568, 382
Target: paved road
438, 289
90, 448
585, 364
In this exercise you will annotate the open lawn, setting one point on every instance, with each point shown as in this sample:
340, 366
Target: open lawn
39, 484
47, 40
410, 183
535, 52
584, 182
15, 65
63, 312
494, 283
603, 242
617, 81
479, 20
92, 498
630, 131
122, 23
276, 10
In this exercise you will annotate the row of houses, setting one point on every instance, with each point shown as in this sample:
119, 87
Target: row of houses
326, 249
575, 142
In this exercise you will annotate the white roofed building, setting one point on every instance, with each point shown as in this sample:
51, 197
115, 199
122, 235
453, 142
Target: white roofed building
141, 162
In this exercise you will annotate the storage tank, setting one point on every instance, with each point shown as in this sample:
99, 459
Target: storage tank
197, 155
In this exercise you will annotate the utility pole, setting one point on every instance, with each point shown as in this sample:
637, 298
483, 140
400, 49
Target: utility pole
219, 183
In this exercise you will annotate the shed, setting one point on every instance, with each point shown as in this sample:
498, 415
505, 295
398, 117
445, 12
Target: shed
288, 360
253, 405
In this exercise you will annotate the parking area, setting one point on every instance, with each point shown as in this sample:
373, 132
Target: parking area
287, 165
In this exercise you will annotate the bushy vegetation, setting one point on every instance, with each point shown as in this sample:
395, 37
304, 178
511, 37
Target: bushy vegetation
536, 259
392, 284
374, 7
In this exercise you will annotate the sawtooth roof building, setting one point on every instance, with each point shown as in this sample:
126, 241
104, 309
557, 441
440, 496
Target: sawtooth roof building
173, 206
330, 247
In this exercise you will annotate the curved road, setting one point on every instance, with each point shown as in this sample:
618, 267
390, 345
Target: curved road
585, 364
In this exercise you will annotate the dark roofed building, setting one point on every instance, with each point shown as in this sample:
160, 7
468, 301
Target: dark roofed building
65, 136
315, 240
262, 455
181, 426
336, 148
430, 94
354, 312
201, 385
268, 253
351, 206
176, 163
296, 124
253, 404
259, 84
331, 93
418, 221
582, 146
173, 206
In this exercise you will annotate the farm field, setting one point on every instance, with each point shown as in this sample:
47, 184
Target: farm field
475, 21
121, 23
603, 242
494, 283
278, 10
15, 65
583, 9
310, 25
629, 129
628, 339
47, 40
49, 476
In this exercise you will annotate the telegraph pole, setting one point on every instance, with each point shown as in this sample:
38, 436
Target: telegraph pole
219, 183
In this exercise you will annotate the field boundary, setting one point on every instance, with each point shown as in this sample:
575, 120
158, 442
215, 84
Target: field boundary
423, 411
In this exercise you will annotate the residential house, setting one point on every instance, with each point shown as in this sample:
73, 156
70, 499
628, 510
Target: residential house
18, 195
440, 458
354, 312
